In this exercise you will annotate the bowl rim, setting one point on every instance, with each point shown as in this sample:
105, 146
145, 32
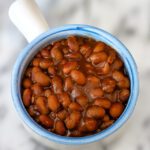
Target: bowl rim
76, 140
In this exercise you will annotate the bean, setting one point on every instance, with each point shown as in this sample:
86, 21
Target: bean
100, 46
27, 83
36, 62
89, 68
41, 78
42, 106
62, 114
57, 85
51, 70
73, 56
45, 53
56, 54
116, 109
46, 121
103, 70
68, 84
108, 85
45, 63
33, 111
86, 50
124, 95
37, 89
117, 75
28, 72
91, 124
64, 99
60, 127
53, 103
106, 124
124, 83
96, 93
96, 58
117, 64
112, 56
106, 118
47, 92
73, 120
76, 92
78, 77
73, 44
103, 102
95, 112
69, 66
27, 93
75, 107
35, 70
93, 81
82, 100
75, 133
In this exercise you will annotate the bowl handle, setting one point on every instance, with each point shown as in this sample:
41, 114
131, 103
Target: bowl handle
26, 15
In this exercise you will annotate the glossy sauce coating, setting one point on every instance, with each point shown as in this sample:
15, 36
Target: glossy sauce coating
75, 87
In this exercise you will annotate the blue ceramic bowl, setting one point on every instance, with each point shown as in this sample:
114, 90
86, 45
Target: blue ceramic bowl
58, 33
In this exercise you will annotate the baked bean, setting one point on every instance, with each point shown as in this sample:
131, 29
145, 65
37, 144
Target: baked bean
116, 109
46, 121
42, 106
68, 84
62, 114
95, 112
75, 86
45, 63
73, 119
108, 85
47, 92
45, 53
112, 56
73, 44
78, 77
93, 81
117, 64
60, 127
53, 103
69, 66
36, 62
37, 89
57, 84
106, 124
124, 95
75, 107
28, 72
106, 118
91, 124
86, 50
118, 76
56, 54
41, 78
103, 102
100, 46
33, 111
27, 93
98, 57
124, 83
27, 83
51, 70
74, 56
64, 99
96, 93
82, 100
76, 92
103, 70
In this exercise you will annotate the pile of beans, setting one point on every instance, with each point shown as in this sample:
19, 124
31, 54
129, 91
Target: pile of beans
75, 87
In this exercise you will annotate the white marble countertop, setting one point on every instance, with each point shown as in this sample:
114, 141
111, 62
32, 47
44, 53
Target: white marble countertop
126, 19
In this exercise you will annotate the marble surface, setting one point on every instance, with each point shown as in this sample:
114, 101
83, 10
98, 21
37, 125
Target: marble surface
128, 20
